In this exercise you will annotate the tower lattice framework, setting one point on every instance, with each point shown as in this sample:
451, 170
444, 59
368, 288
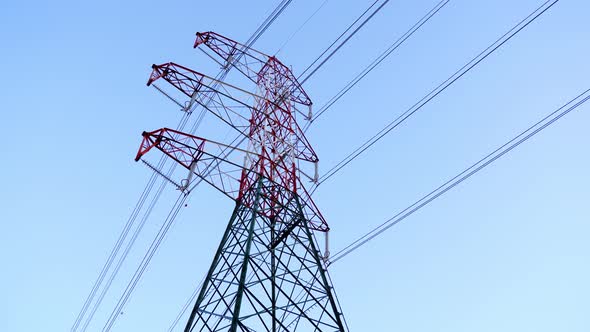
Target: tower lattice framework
268, 273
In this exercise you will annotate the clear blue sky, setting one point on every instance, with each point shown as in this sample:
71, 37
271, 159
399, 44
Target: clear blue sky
506, 251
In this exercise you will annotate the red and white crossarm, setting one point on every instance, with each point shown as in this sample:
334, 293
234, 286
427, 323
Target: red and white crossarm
232, 179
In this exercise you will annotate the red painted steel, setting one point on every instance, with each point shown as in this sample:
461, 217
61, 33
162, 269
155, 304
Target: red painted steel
276, 143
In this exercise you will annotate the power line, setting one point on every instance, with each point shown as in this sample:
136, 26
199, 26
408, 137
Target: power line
333, 290
306, 78
398, 43
135, 234
302, 81
301, 26
124, 233
467, 173
172, 215
191, 298
439, 89
139, 205
187, 304
196, 291
267, 22
128, 226
122, 258
145, 262
378, 60
165, 226
336, 40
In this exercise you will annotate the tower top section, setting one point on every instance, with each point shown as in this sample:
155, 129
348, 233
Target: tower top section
276, 150
253, 64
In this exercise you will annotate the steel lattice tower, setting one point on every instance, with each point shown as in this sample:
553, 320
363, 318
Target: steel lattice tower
268, 273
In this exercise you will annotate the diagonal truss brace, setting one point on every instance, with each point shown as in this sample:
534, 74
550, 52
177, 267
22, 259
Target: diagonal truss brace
252, 63
225, 101
221, 173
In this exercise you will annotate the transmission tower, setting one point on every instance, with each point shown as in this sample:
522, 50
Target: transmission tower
268, 273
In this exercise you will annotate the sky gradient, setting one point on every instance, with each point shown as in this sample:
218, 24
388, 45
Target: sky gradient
507, 250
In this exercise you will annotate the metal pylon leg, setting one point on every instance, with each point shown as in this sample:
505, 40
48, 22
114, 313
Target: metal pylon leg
253, 286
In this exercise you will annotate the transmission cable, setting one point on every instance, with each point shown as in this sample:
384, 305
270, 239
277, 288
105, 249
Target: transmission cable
128, 248
173, 214
341, 43
124, 233
139, 228
301, 26
145, 262
267, 22
440, 88
465, 174
392, 48
365, 72
122, 237
164, 228
377, 61
186, 305
114, 252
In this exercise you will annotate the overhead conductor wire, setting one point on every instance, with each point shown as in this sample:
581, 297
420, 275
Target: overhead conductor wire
121, 239
377, 61
366, 71
439, 89
392, 48
143, 221
301, 26
248, 43
465, 174
349, 38
114, 252
367, 19
156, 243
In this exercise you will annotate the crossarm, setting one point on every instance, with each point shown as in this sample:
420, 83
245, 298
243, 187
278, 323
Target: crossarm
223, 100
183, 148
225, 175
253, 64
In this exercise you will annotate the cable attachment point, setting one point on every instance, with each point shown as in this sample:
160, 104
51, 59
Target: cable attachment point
188, 106
326, 256
184, 183
316, 174
229, 61
150, 166
167, 95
